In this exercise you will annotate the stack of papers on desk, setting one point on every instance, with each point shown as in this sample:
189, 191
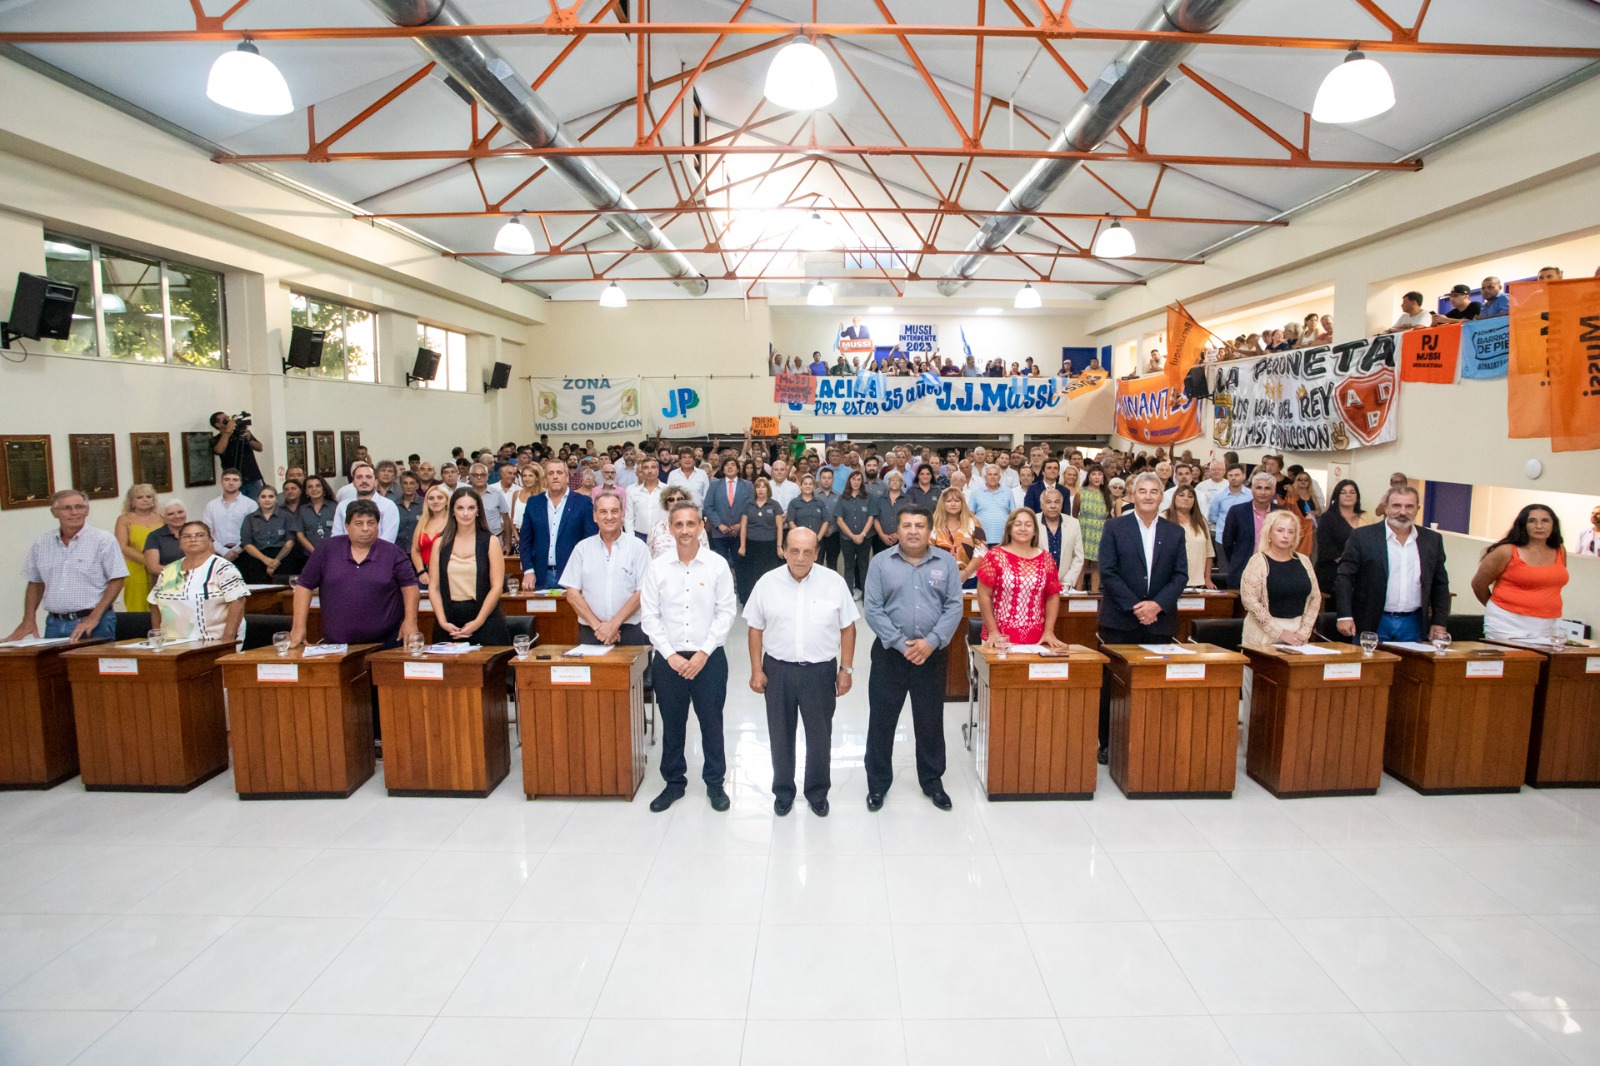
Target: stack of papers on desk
1167, 649
168, 643
311, 650
452, 648
1304, 649
1410, 645
35, 642
585, 650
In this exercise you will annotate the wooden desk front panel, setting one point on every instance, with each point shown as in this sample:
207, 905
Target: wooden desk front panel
1080, 627
164, 729
582, 739
559, 626
446, 736
38, 739
1310, 737
1037, 738
1564, 748
1449, 733
312, 737
1174, 738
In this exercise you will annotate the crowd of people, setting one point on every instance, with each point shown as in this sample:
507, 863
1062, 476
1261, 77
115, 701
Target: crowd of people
805, 540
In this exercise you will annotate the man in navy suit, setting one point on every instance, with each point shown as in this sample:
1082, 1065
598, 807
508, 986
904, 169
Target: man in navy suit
1242, 528
1144, 567
725, 502
569, 516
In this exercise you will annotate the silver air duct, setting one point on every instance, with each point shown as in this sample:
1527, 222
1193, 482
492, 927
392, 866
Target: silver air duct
476, 65
1131, 78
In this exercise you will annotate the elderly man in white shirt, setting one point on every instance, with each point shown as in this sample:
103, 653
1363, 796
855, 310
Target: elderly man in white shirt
783, 490
643, 509
802, 641
691, 477
603, 579
687, 607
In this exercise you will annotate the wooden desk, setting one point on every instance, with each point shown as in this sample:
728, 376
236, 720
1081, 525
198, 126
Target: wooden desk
301, 726
1459, 722
1038, 724
38, 741
554, 619
444, 721
1564, 743
314, 617
1317, 721
1077, 621
582, 722
268, 599
1174, 722
957, 683
148, 721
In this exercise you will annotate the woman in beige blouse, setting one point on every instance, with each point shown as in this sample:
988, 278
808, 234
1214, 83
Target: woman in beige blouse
1279, 588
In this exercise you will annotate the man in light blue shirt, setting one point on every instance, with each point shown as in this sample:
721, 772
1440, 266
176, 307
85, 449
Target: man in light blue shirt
1496, 303
1217, 513
992, 505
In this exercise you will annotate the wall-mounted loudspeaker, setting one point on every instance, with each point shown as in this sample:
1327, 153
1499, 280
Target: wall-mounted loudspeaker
41, 309
425, 368
1196, 384
499, 378
305, 348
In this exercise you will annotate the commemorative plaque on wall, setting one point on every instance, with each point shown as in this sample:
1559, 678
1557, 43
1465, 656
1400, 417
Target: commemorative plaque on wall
295, 448
199, 461
152, 460
27, 473
349, 448
94, 464
327, 462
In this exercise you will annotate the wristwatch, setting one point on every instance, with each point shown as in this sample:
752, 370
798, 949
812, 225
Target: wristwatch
846, 670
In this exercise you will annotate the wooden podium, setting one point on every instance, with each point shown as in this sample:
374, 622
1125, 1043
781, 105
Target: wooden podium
582, 722
1317, 721
148, 721
1038, 724
1078, 619
301, 726
1460, 721
1564, 744
1174, 721
38, 742
444, 721
957, 683
554, 619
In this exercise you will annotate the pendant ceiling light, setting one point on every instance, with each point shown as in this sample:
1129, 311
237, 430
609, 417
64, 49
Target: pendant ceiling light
245, 80
1027, 298
1358, 88
816, 235
515, 239
800, 77
613, 296
1114, 242
820, 296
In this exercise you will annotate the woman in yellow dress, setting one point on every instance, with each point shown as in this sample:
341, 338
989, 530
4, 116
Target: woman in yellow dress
139, 518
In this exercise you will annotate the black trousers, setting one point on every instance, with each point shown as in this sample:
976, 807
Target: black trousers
631, 633
728, 548
801, 693
831, 550
706, 692
1112, 635
894, 677
856, 559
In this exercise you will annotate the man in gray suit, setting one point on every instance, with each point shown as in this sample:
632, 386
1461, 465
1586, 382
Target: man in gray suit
725, 502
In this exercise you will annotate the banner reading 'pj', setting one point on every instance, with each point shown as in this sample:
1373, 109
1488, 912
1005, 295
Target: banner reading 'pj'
1323, 399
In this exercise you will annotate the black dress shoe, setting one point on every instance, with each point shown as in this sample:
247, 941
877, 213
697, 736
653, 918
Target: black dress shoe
668, 797
874, 801
941, 799
1101, 757
719, 798
819, 807
782, 807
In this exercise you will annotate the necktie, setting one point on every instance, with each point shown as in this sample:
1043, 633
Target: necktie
730, 494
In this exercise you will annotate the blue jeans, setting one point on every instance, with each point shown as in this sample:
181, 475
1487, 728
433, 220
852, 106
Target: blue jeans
105, 629
1413, 626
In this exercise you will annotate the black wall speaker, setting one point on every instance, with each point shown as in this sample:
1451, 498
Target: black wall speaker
427, 365
1196, 384
499, 378
305, 348
41, 309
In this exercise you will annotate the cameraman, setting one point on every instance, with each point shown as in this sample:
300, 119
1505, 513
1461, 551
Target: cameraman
237, 447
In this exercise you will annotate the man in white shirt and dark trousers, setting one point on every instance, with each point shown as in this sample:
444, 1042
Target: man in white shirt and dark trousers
802, 641
603, 577
691, 477
225, 515
687, 606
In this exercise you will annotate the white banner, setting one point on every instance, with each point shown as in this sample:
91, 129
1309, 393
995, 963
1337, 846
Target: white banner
678, 407
587, 406
1084, 402
1326, 399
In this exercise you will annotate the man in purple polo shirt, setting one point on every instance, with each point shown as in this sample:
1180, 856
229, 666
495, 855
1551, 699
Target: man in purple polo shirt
367, 586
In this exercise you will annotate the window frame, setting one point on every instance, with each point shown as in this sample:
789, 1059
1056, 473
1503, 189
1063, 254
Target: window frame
344, 338
444, 357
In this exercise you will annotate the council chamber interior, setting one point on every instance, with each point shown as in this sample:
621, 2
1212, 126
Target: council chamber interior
1352, 242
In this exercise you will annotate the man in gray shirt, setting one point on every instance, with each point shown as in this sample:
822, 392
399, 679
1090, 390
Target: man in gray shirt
913, 604
75, 572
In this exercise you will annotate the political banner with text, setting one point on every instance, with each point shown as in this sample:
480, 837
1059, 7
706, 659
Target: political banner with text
1485, 348
1150, 411
1431, 355
1082, 401
1324, 399
794, 388
678, 407
587, 406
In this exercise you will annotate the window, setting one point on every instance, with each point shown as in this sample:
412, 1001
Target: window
451, 348
350, 351
137, 307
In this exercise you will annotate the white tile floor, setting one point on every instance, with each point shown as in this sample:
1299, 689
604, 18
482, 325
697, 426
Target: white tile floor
170, 930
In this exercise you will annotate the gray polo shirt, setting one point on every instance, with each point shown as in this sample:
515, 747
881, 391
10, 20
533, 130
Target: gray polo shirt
905, 601
853, 512
812, 513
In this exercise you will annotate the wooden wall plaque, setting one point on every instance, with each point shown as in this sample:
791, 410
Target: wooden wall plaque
326, 461
199, 461
152, 460
27, 471
349, 449
295, 442
94, 464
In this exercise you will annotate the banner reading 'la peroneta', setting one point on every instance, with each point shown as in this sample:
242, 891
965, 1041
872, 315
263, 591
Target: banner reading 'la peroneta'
1323, 399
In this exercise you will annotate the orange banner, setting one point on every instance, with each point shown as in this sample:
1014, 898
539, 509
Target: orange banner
1186, 343
1528, 380
1574, 354
1151, 411
1431, 355
763, 426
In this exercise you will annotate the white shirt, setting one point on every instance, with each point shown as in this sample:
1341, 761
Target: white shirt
627, 476
1588, 543
1404, 594
607, 576
801, 620
1147, 534
1207, 491
644, 508
783, 492
687, 606
1009, 478
695, 482
1405, 321
554, 509
225, 520
388, 518
496, 508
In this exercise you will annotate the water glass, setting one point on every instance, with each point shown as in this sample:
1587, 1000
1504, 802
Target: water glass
1441, 643
415, 644
512, 585
156, 638
522, 642
1369, 642
280, 640
1557, 636
1002, 646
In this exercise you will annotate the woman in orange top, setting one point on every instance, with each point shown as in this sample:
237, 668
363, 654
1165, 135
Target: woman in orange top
1520, 579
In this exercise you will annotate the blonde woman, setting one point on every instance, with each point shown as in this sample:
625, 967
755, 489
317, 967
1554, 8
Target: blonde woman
530, 485
1279, 589
957, 531
139, 518
430, 527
